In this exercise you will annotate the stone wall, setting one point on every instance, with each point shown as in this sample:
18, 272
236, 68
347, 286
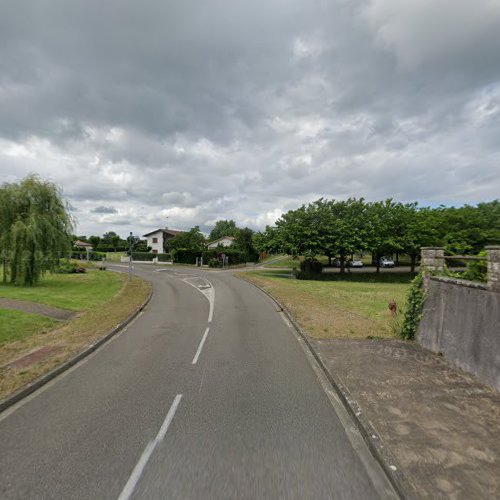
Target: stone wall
461, 319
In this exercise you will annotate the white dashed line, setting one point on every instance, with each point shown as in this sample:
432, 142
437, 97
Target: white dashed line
200, 347
134, 478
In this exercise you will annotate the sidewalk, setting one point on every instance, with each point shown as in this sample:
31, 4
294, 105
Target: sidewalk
441, 425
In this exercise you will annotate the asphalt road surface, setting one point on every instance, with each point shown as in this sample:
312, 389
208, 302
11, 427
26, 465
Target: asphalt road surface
207, 394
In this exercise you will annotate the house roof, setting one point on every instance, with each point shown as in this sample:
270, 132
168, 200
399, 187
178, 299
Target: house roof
173, 232
231, 238
84, 244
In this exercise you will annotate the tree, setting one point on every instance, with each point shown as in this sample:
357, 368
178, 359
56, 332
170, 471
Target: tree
111, 239
223, 228
244, 241
350, 228
185, 247
94, 241
35, 228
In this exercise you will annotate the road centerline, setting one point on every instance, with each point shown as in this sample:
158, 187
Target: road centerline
136, 475
200, 347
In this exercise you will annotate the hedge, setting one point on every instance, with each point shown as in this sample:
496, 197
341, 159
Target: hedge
164, 257
143, 256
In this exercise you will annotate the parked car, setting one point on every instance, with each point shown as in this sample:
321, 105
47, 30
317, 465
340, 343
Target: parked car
336, 263
385, 262
355, 263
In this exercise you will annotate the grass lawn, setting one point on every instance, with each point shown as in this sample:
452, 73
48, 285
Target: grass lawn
350, 308
287, 261
76, 292
84, 292
115, 256
17, 325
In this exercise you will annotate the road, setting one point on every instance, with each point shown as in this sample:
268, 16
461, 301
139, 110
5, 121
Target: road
207, 394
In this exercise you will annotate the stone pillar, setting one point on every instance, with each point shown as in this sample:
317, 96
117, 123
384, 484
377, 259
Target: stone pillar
432, 260
493, 253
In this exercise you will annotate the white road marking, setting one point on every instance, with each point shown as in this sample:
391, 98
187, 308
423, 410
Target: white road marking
134, 478
207, 290
200, 347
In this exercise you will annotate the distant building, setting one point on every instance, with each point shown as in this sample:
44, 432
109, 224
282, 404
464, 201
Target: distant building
83, 245
225, 241
158, 238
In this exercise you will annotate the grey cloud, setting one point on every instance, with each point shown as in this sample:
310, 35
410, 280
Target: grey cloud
240, 109
104, 210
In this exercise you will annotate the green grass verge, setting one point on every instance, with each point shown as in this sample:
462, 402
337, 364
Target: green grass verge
17, 325
346, 308
76, 292
288, 262
114, 256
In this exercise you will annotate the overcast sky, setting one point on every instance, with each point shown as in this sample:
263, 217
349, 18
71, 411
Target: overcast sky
202, 110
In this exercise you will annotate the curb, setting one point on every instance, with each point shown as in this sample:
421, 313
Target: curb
39, 382
383, 456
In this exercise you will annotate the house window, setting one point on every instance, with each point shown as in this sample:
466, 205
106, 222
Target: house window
155, 240
155, 251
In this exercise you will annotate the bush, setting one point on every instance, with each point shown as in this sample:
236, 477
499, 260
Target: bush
413, 308
477, 269
69, 267
164, 257
143, 256
183, 256
79, 255
312, 266
214, 263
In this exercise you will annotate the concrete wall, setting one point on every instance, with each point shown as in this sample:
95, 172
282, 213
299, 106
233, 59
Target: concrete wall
462, 321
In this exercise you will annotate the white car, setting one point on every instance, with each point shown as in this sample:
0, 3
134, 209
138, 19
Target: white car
355, 263
386, 262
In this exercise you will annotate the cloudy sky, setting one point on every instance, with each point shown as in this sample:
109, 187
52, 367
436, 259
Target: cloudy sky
201, 110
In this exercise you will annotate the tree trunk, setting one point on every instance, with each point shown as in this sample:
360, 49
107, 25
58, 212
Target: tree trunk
4, 258
342, 263
377, 263
413, 262
397, 258
329, 261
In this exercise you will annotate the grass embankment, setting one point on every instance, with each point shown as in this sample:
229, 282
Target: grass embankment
16, 325
353, 307
75, 292
103, 299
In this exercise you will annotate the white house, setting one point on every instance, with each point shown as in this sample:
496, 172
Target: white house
157, 239
225, 241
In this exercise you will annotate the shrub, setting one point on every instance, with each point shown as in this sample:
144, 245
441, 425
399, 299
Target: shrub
214, 263
311, 266
69, 267
476, 269
413, 308
143, 256
164, 257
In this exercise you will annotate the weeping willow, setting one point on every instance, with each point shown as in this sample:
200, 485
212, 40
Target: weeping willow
35, 229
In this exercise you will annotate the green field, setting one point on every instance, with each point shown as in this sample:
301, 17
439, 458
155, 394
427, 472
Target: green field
76, 292
353, 307
16, 325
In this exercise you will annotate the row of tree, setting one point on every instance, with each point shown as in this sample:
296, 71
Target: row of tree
113, 242
340, 228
